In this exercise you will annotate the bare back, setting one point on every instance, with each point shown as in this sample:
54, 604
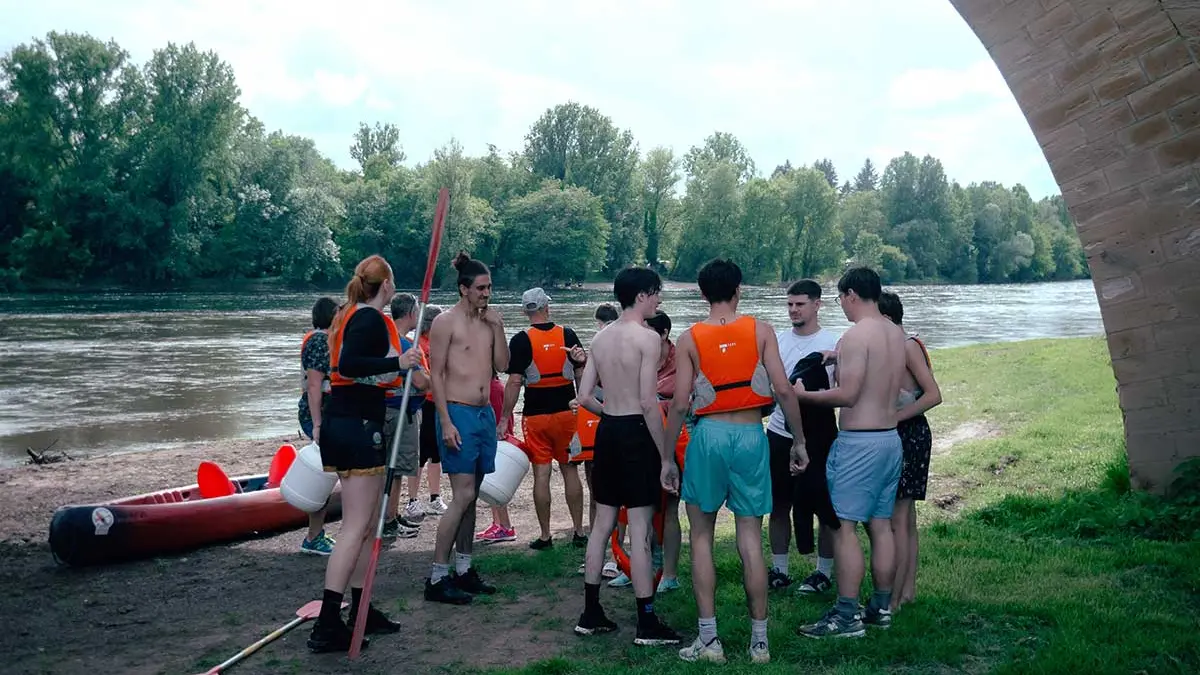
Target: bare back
871, 362
466, 369
619, 352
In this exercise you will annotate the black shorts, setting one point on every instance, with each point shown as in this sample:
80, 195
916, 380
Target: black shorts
626, 465
918, 446
807, 493
353, 447
429, 440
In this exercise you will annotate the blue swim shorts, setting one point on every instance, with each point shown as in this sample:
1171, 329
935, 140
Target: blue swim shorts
477, 428
863, 472
728, 463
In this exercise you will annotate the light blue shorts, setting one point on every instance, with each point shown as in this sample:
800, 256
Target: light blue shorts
728, 463
863, 472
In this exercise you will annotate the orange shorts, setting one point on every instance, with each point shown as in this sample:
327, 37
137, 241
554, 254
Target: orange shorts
583, 456
548, 437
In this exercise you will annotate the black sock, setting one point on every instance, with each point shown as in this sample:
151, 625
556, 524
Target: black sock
331, 607
645, 611
433, 496
591, 598
355, 599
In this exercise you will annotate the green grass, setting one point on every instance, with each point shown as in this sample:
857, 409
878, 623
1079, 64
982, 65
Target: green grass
1050, 566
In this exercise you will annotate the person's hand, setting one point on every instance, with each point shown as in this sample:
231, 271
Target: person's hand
317, 433
669, 477
411, 358
576, 354
830, 357
501, 428
574, 404
492, 318
450, 436
799, 455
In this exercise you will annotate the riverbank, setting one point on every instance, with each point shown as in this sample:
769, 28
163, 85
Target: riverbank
1033, 561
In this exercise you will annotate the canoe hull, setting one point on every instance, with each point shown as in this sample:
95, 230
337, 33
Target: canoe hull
172, 521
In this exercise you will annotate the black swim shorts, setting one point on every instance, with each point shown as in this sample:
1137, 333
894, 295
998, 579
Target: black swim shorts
626, 464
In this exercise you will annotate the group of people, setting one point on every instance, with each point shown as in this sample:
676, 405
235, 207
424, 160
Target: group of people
651, 422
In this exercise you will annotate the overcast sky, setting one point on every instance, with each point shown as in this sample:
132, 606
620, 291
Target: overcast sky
793, 79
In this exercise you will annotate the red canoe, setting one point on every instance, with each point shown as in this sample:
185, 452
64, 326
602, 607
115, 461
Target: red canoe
173, 521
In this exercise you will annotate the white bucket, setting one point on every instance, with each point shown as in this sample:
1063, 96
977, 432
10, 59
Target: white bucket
499, 486
307, 485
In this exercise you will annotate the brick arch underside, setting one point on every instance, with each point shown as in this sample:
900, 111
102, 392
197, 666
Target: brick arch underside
1111, 90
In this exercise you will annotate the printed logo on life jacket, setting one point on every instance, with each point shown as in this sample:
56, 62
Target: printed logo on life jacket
591, 423
547, 347
724, 346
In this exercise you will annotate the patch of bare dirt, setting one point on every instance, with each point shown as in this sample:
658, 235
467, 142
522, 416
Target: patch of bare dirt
165, 615
968, 431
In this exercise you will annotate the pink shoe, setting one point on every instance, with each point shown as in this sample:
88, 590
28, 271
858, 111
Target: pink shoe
495, 534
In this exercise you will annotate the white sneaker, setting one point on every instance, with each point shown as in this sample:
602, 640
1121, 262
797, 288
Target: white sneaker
759, 653
414, 511
610, 570
435, 507
712, 652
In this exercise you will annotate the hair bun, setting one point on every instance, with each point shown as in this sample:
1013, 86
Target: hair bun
461, 259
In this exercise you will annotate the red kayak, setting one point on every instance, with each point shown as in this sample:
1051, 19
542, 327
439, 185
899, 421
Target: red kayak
173, 521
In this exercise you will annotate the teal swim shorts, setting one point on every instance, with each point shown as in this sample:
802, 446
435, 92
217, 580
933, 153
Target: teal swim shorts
728, 463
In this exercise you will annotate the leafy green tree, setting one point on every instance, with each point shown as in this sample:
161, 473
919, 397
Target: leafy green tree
720, 147
555, 234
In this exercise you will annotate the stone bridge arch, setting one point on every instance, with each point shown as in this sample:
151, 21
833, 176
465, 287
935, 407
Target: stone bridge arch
1111, 90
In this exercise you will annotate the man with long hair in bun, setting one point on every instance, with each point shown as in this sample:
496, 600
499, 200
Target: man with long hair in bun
466, 346
363, 362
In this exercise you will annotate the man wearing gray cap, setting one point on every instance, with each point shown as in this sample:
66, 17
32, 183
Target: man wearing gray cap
546, 359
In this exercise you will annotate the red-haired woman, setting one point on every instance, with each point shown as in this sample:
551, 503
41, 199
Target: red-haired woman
362, 362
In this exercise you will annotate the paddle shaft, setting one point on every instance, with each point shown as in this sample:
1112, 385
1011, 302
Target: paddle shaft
276, 634
435, 244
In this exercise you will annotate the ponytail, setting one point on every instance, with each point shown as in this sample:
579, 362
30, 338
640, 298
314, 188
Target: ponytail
369, 275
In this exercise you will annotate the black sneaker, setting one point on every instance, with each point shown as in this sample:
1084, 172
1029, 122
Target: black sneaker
377, 622
834, 625
655, 633
777, 580
541, 544
332, 636
880, 617
590, 624
395, 529
445, 591
579, 541
471, 583
816, 582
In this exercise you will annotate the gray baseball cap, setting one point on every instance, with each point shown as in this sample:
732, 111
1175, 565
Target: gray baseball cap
534, 299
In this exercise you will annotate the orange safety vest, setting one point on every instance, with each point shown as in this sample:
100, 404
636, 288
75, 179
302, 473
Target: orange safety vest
585, 425
550, 366
386, 381
423, 343
728, 359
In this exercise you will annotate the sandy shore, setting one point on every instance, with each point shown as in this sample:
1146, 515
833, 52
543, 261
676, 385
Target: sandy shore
162, 615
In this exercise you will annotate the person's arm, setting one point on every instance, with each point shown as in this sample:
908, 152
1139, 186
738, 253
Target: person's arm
499, 343
586, 396
520, 355
851, 373
363, 335
313, 392
685, 368
512, 390
784, 394
439, 347
648, 388
575, 351
917, 365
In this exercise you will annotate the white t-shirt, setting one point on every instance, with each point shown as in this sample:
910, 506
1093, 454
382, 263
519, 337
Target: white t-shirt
792, 348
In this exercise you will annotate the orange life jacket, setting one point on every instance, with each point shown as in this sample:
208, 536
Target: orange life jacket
423, 343
681, 443
585, 425
386, 381
729, 358
550, 366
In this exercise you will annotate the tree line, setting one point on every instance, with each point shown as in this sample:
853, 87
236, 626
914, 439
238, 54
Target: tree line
154, 174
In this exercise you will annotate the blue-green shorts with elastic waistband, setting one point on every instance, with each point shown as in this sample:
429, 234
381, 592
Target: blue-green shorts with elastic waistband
728, 463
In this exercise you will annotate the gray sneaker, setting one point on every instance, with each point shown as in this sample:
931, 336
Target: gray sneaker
834, 625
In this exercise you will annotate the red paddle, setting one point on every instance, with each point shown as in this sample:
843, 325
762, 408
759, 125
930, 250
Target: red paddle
435, 245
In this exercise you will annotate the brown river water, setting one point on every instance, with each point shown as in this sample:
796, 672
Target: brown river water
111, 372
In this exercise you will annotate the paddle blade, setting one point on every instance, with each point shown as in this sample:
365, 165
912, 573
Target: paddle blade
212, 481
311, 611
280, 464
360, 621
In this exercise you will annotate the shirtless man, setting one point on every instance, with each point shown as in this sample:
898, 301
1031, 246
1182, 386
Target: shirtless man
864, 462
731, 361
629, 454
467, 345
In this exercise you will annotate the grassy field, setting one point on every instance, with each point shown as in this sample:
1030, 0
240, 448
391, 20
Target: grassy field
1035, 558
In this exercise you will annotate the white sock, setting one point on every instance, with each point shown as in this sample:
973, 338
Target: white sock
440, 571
462, 562
708, 630
780, 562
758, 631
825, 566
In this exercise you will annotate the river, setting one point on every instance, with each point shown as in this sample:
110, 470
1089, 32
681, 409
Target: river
105, 372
